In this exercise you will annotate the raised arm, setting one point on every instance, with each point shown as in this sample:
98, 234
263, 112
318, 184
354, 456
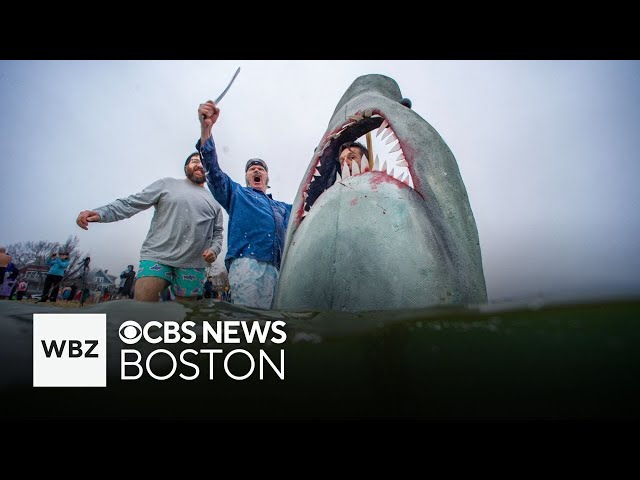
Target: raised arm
219, 183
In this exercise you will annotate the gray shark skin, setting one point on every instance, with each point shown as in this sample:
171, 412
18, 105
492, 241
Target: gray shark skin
369, 241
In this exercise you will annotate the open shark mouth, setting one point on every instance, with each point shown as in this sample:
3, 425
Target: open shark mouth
390, 232
328, 171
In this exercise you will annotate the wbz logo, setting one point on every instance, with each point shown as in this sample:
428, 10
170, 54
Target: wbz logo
69, 350
75, 348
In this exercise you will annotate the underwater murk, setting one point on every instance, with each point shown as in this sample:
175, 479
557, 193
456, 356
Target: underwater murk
574, 361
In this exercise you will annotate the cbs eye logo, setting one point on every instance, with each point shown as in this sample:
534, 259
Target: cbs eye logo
130, 332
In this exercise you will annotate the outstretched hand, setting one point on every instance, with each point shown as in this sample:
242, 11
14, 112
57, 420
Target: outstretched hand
85, 217
208, 113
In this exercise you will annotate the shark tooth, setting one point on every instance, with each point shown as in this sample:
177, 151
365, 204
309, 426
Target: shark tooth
384, 125
396, 148
345, 171
364, 164
355, 118
355, 169
318, 164
391, 174
316, 173
385, 134
383, 167
392, 138
304, 196
402, 163
338, 177
406, 180
376, 163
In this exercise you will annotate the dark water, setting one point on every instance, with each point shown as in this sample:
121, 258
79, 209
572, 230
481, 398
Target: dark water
556, 361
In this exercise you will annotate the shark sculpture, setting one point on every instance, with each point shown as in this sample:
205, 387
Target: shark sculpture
362, 239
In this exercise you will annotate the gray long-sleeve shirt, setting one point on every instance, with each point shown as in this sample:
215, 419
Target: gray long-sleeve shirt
187, 221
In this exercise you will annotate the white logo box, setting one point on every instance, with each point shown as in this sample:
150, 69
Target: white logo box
77, 350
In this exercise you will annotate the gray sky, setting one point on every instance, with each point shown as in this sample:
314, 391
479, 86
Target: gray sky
548, 151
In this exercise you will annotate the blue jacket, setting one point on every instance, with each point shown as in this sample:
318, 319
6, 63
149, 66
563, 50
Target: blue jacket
58, 266
257, 222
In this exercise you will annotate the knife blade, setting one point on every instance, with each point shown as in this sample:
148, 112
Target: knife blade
224, 92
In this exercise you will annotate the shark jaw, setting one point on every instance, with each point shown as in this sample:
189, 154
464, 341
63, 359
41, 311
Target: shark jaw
394, 233
326, 173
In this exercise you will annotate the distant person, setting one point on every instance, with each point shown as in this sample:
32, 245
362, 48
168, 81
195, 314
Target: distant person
6, 288
52, 282
106, 296
22, 288
126, 277
4, 261
66, 293
97, 295
72, 293
185, 233
10, 282
257, 222
208, 288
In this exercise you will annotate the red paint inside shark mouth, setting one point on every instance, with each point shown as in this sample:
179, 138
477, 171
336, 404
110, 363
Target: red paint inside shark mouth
388, 156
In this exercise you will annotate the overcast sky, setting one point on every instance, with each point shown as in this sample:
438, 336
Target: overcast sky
548, 151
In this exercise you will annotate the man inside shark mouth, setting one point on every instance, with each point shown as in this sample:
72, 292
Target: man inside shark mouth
378, 234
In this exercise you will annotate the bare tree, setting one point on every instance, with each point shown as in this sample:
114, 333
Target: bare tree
35, 253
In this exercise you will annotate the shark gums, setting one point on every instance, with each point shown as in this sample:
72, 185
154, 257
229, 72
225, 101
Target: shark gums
363, 237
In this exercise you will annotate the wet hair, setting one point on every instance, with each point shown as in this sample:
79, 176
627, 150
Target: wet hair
346, 145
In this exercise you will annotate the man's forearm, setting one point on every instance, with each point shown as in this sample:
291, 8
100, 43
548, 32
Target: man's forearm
205, 133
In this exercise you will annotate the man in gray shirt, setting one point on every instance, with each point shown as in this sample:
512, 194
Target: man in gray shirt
186, 231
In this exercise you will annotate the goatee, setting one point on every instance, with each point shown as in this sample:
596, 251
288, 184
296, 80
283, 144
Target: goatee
191, 176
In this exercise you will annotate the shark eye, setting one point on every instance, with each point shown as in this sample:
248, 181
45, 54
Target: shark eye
406, 102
